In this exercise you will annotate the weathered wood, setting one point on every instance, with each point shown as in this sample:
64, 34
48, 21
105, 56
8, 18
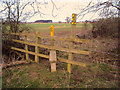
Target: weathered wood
69, 64
53, 60
55, 48
46, 56
52, 42
72, 62
52, 57
70, 57
71, 46
33, 53
37, 48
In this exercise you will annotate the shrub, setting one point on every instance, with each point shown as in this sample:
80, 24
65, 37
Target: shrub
105, 27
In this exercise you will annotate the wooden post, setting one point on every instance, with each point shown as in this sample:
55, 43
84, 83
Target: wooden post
37, 48
26, 46
52, 58
72, 36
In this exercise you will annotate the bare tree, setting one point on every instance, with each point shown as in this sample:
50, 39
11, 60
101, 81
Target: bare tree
14, 11
68, 19
108, 8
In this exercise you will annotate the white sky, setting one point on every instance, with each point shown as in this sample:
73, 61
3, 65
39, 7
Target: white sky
67, 7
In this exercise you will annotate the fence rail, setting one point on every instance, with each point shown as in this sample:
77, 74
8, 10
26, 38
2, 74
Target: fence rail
55, 48
51, 47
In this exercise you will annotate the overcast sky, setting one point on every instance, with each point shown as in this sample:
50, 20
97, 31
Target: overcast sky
65, 9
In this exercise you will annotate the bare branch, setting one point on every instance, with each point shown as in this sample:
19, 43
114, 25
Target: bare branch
105, 6
38, 8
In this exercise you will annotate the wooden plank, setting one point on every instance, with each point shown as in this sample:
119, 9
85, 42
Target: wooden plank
53, 60
46, 56
70, 57
72, 62
33, 53
71, 46
55, 48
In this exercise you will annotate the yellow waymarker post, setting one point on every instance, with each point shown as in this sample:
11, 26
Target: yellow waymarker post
52, 58
74, 19
72, 36
52, 30
52, 34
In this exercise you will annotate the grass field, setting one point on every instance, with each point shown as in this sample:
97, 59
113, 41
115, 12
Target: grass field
45, 27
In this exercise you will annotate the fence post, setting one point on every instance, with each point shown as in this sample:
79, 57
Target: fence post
26, 46
72, 36
52, 58
37, 48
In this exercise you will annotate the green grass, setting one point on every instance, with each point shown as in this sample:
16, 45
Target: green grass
39, 76
54, 24
62, 26
106, 67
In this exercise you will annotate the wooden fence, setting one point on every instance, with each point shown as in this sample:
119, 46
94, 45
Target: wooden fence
52, 57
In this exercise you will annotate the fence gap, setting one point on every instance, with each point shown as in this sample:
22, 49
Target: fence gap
26, 46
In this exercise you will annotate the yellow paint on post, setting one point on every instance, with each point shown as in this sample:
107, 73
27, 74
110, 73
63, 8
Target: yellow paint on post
74, 19
71, 45
52, 58
26, 46
52, 34
37, 48
52, 30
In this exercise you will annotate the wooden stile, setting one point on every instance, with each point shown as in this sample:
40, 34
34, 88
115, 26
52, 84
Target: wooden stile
52, 57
